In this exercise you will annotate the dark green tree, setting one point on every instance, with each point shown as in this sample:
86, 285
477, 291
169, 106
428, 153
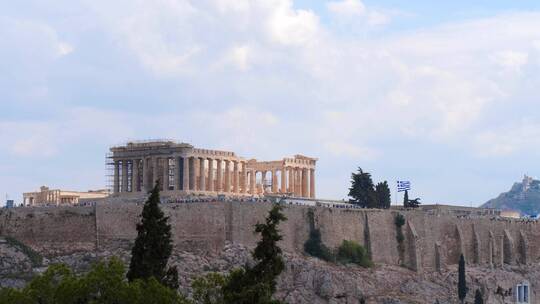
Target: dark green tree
153, 245
406, 199
362, 191
255, 285
415, 203
462, 283
104, 284
383, 195
478, 299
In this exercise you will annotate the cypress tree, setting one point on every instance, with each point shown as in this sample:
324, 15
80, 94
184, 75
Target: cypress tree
406, 199
383, 195
478, 297
256, 285
362, 190
462, 283
153, 245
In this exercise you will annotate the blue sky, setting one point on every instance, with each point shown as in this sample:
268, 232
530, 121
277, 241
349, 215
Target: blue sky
444, 95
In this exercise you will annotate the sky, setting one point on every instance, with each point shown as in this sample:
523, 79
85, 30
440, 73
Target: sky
443, 94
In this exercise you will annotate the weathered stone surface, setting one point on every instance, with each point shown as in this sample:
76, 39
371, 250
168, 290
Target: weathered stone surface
309, 280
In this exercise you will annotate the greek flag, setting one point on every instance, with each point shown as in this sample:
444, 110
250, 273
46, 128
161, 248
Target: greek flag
403, 186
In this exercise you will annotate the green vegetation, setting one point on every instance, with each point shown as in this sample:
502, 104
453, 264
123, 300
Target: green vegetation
35, 258
478, 299
383, 195
255, 285
364, 194
408, 203
105, 283
399, 221
352, 252
153, 245
208, 289
462, 283
315, 247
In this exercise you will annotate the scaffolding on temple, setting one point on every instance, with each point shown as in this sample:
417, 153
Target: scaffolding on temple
109, 172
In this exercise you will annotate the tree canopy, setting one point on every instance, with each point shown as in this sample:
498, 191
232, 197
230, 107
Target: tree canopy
104, 284
255, 285
462, 283
364, 194
153, 245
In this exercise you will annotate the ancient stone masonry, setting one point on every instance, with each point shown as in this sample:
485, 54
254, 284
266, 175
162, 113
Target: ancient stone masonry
57, 197
183, 169
431, 241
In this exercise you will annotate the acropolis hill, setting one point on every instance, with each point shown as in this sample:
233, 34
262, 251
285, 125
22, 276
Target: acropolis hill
500, 253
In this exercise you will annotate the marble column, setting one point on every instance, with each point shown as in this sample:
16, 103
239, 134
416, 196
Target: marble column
202, 174
219, 177
192, 181
185, 173
252, 182
146, 176
283, 180
116, 182
236, 176
135, 175
291, 181
305, 190
227, 176
178, 174
155, 173
312, 183
244, 177
297, 184
165, 180
124, 175
210, 185
197, 170
263, 181
274, 181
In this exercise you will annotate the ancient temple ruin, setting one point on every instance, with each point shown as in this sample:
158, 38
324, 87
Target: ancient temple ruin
182, 169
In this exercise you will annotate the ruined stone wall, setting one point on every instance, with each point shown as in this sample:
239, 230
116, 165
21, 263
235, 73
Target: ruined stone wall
432, 241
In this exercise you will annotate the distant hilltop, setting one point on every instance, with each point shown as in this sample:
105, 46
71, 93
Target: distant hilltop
523, 197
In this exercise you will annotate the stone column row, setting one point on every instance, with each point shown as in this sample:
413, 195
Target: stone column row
191, 173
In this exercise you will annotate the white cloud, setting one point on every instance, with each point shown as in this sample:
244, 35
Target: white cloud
289, 26
239, 56
64, 48
337, 148
347, 7
512, 60
523, 137
355, 11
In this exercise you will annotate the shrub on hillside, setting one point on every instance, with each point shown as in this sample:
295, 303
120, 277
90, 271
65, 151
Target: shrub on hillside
352, 252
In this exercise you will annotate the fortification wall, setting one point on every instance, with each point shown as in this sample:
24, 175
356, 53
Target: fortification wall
431, 241
51, 230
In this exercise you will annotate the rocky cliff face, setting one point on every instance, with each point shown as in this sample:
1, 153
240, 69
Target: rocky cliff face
305, 280
523, 197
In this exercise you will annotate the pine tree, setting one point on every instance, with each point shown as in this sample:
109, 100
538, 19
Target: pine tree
256, 285
478, 297
362, 190
462, 283
406, 199
153, 245
383, 195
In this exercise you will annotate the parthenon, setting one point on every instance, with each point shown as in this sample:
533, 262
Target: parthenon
182, 169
